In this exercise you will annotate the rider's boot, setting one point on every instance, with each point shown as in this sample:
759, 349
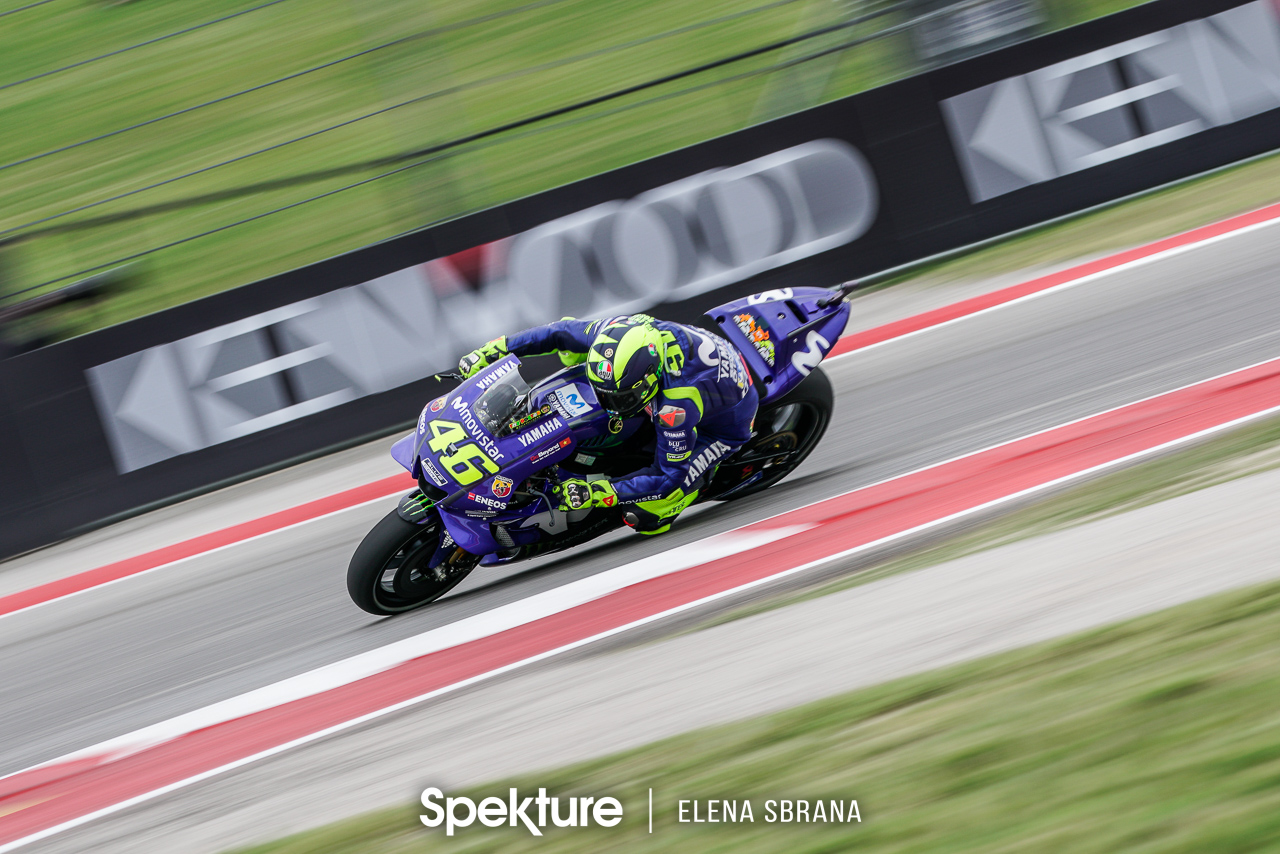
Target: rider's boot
655, 517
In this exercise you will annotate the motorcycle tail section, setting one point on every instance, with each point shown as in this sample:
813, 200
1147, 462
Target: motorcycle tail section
783, 334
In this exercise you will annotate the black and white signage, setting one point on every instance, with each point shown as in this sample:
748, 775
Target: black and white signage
1118, 101
685, 238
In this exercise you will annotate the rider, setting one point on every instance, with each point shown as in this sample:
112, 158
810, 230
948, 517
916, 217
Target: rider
694, 385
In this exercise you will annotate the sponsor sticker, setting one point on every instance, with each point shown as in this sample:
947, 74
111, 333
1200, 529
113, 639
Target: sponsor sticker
496, 373
433, 472
540, 432
671, 416
547, 452
757, 332
569, 401
438, 403
486, 501
502, 486
807, 359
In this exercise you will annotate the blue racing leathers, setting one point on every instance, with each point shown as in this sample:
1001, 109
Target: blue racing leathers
703, 412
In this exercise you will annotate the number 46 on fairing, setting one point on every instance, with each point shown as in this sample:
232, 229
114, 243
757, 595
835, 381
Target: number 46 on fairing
461, 461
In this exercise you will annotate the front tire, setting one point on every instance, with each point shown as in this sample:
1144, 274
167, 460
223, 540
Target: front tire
390, 572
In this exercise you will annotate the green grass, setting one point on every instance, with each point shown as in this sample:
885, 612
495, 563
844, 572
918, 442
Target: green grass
1161, 734
294, 35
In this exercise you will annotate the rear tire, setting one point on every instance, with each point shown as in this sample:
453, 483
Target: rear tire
389, 572
787, 431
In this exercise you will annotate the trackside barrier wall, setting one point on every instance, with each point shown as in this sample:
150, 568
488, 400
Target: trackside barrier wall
319, 357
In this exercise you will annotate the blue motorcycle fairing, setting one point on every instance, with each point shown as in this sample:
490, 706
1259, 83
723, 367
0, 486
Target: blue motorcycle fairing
782, 336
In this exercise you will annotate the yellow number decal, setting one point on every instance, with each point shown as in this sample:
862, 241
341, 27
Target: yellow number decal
462, 463
462, 467
444, 434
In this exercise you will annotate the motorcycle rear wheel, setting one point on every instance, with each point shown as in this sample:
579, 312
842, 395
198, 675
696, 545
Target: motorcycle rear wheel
389, 574
787, 431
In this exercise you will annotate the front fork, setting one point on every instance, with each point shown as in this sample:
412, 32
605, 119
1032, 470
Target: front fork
449, 557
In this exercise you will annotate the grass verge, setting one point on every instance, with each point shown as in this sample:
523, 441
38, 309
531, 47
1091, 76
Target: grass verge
1154, 735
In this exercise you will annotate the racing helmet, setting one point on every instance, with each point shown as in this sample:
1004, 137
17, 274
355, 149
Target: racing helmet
624, 364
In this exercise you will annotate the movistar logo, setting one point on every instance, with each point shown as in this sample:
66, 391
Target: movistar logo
807, 359
477, 432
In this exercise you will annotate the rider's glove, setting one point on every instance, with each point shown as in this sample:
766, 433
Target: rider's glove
574, 494
477, 360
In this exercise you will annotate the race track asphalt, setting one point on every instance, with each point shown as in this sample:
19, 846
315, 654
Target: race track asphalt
131, 654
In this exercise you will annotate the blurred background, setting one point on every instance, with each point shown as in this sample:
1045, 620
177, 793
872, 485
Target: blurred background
1031, 673
183, 148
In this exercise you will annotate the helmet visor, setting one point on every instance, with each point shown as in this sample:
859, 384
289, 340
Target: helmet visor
622, 402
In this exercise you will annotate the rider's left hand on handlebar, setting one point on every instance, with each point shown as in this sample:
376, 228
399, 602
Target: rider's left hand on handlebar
575, 493
481, 358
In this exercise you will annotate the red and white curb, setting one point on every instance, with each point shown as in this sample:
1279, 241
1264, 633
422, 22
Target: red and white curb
126, 771
395, 485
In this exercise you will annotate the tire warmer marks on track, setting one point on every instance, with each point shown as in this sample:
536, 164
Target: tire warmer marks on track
56, 796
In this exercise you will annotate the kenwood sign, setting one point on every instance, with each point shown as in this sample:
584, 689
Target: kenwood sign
688, 237
1118, 101
317, 358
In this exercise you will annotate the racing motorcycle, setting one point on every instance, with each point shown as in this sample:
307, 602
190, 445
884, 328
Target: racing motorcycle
488, 455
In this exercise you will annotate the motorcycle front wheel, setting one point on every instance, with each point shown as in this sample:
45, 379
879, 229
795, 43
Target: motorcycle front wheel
391, 571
